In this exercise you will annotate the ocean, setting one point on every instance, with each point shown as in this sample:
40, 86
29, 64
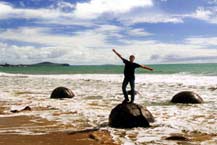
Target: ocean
98, 90
197, 69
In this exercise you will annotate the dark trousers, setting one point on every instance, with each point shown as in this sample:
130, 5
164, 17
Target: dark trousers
132, 85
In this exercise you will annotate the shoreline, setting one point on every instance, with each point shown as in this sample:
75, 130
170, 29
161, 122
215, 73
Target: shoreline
12, 124
59, 138
34, 130
205, 69
46, 119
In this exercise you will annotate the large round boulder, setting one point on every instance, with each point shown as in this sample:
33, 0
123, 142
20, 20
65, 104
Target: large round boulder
129, 115
187, 97
62, 92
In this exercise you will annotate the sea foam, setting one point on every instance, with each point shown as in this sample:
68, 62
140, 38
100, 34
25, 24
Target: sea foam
97, 94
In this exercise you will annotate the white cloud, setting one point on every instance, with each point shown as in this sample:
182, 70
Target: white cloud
109, 28
65, 6
29, 54
91, 47
128, 12
201, 13
138, 32
202, 41
151, 15
115, 31
95, 8
155, 18
206, 14
144, 51
87, 10
5, 10
95, 37
42, 36
79, 48
8, 11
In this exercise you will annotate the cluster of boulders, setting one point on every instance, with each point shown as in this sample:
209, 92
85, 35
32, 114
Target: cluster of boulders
129, 115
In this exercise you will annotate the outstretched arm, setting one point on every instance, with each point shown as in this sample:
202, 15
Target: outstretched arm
146, 67
117, 54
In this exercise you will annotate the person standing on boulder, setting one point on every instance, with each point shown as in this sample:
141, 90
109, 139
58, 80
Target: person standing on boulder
129, 75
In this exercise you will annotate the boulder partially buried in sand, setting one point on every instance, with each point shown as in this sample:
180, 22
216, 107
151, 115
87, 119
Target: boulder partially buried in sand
129, 115
62, 92
187, 97
177, 138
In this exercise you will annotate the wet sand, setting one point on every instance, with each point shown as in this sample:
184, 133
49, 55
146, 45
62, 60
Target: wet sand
47, 134
58, 138
96, 96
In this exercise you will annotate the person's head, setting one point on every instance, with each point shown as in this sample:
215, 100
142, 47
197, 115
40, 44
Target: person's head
132, 58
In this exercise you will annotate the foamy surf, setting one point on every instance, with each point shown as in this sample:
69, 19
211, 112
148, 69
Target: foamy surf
97, 94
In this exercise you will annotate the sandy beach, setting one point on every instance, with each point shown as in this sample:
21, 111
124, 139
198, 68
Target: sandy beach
85, 137
40, 131
29, 116
42, 135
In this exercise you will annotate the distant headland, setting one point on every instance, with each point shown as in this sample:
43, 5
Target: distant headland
37, 64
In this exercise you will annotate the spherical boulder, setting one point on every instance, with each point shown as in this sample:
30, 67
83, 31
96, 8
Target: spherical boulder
129, 115
187, 97
62, 92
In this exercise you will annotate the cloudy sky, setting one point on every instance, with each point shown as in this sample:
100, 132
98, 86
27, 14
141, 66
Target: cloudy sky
85, 31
